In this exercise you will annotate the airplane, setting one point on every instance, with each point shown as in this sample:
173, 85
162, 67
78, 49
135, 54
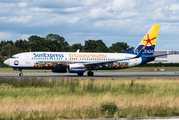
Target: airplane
79, 62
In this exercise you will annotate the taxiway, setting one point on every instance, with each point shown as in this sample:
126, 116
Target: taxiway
99, 75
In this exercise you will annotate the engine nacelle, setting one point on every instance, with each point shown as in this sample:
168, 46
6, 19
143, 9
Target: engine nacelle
60, 70
76, 68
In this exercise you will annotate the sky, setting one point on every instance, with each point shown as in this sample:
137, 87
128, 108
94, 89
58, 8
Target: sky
78, 20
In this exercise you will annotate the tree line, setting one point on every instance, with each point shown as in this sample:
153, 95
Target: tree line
57, 43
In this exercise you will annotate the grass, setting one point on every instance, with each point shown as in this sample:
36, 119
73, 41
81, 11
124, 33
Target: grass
32, 98
135, 69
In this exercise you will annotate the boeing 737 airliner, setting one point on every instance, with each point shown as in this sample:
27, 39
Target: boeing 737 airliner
79, 62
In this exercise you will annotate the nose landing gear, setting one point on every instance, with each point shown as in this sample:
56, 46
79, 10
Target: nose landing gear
19, 69
21, 74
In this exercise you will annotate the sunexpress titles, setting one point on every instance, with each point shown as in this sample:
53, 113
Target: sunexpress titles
48, 55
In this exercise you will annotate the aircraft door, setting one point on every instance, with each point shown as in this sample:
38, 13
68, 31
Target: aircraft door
27, 58
135, 62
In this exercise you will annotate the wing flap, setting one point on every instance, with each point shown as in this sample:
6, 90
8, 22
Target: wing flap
103, 63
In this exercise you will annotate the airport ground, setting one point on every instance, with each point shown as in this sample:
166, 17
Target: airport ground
35, 98
106, 95
167, 72
134, 69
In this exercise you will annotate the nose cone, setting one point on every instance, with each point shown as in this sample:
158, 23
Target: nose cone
7, 62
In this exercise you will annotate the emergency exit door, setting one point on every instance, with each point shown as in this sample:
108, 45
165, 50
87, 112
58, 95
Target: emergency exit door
27, 59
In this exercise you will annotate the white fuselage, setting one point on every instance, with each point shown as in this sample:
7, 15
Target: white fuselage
30, 59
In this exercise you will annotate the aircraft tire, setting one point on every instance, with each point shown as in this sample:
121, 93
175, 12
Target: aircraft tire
20, 74
90, 73
80, 74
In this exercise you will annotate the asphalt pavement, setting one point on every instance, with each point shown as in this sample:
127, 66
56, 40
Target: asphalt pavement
99, 75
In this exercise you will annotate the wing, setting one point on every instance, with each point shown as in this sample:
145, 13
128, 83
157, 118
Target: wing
95, 64
103, 63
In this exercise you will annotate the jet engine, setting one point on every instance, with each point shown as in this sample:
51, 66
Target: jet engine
60, 70
76, 68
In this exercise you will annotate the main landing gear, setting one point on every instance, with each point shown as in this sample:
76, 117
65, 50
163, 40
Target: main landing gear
90, 73
80, 74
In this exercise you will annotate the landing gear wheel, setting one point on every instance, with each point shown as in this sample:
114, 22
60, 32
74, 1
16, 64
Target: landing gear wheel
90, 73
20, 74
80, 74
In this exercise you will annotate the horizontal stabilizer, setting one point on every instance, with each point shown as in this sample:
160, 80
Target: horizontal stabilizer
156, 56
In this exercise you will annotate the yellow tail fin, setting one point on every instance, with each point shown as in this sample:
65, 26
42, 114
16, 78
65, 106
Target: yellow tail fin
149, 41
151, 38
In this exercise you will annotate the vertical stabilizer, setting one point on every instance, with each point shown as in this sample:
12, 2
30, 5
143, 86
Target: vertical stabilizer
148, 42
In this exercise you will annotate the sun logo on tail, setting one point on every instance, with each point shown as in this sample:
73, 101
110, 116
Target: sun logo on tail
149, 40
